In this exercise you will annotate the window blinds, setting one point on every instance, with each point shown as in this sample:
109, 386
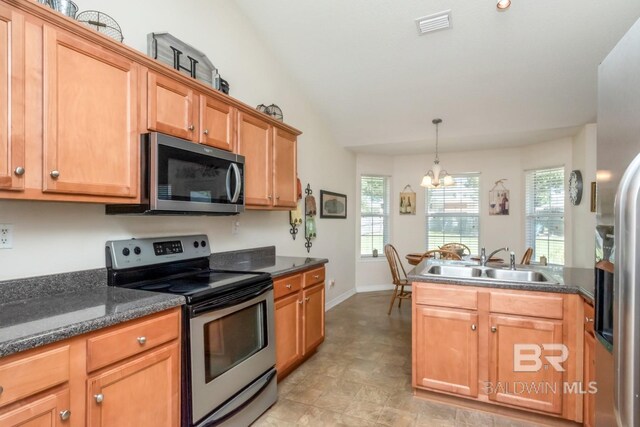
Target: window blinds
374, 214
453, 213
544, 207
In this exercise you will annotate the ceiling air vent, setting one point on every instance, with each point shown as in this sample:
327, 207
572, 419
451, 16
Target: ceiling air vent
437, 21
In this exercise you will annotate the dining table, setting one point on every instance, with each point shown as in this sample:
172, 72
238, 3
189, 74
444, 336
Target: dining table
415, 257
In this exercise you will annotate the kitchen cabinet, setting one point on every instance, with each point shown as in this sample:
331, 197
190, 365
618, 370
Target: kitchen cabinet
217, 123
299, 318
172, 107
589, 363
127, 374
90, 115
498, 346
447, 350
270, 163
12, 143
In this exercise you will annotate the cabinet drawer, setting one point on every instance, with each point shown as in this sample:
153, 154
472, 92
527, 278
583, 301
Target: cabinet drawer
131, 339
526, 304
31, 374
313, 276
286, 286
442, 296
589, 315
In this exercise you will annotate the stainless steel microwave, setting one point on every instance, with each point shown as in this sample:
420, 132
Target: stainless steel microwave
180, 177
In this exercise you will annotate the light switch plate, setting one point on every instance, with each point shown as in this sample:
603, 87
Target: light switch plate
6, 236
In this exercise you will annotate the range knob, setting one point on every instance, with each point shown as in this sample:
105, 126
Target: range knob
126, 252
196, 244
137, 250
203, 243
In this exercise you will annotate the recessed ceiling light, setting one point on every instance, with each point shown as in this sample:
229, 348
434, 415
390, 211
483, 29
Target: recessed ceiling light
503, 4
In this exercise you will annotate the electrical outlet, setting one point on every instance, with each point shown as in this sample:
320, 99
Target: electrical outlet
332, 283
6, 236
235, 225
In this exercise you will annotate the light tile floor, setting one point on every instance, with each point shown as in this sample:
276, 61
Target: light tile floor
361, 376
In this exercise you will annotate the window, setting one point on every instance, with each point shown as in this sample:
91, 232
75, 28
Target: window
544, 227
453, 213
374, 214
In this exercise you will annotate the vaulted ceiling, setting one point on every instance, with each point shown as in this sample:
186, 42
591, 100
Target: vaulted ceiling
497, 79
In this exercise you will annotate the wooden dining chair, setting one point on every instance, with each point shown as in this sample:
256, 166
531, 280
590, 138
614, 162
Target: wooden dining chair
399, 276
459, 248
441, 254
526, 258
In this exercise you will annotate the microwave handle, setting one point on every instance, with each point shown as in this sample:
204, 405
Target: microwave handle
229, 182
236, 194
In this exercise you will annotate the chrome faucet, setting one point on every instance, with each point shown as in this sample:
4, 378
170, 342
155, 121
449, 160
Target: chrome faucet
512, 261
484, 258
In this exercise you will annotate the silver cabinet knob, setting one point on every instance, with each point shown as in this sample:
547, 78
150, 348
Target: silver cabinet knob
64, 415
317, 276
307, 299
191, 127
277, 197
206, 132
55, 174
269, 197
494, 329
300, 302
288, 286
19, 171
142, 340
474, 327
99, 397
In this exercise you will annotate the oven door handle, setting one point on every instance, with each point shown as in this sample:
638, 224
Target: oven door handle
238, 403
236, 193
218, 304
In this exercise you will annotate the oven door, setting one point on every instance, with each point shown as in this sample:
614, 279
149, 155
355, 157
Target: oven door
189, 177
231, 347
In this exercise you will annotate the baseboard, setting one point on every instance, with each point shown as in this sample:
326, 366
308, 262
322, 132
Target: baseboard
339, 299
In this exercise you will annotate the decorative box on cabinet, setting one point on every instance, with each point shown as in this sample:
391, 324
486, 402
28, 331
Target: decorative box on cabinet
299, 318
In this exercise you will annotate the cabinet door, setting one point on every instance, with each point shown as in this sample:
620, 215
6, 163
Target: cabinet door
143, 392
170, 107
217, 124
288, 318
313, 318
12, 143
446, 350
284, 169
529, 381
254, 143
51, 410
91, 143
589, 409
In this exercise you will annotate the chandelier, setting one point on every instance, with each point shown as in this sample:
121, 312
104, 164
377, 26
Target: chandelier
437, 177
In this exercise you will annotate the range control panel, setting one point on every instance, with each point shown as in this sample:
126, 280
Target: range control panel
131, 253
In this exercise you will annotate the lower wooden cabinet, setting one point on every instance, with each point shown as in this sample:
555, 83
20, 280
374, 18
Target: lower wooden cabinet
57, 385
511, 348
299, 318
589, 363
453, 367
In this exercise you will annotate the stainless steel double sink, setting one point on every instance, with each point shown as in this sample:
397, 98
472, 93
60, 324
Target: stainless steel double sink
488, 273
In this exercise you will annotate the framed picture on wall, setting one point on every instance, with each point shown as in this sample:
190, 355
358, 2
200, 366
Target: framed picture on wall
407, 201
499, 199
333, 205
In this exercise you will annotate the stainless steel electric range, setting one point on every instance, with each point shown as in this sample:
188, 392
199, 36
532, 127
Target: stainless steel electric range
228, 352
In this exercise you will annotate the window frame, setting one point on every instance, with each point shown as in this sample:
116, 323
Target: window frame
529, 238
386, 215
478, 215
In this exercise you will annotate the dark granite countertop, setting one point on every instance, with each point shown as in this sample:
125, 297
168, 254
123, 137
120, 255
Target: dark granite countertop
42, 310
570, 280
263, 260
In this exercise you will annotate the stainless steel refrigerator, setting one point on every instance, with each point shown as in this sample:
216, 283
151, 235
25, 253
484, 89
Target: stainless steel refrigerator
618, 162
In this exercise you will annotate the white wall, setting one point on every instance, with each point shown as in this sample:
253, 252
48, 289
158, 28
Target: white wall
59, 237
408, 231
584, 221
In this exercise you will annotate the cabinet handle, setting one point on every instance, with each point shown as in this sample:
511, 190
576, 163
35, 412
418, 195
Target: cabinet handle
494, 329
588, 319
317, 276
277, 197
55, 174
474, 327
142, 340
206, 132
300, 302
99, 397
64, 415
307, 299
288, 286
19, 171
191, 127
269, 197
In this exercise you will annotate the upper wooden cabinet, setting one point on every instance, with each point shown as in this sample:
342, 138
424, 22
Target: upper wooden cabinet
90, 109
217, 124
270, 163
12, 108
171, 107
